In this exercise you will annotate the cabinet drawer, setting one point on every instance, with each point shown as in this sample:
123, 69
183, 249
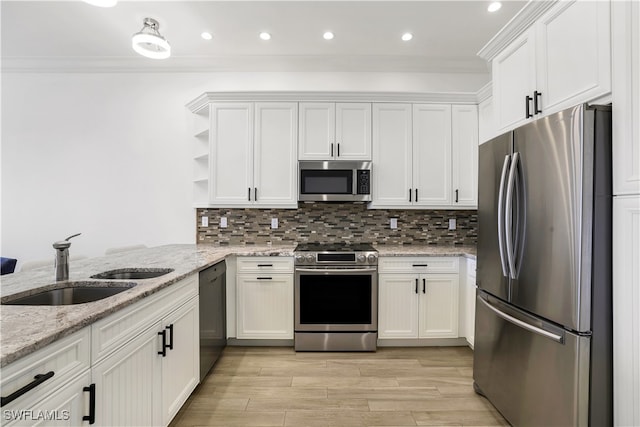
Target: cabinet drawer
418, 265
66, 358
266, 264
115, 330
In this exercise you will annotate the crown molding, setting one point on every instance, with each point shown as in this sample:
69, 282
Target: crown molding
203, 100
250, 63
516, 26
484, 93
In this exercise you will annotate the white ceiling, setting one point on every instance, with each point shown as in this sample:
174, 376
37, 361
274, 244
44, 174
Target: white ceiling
73, 35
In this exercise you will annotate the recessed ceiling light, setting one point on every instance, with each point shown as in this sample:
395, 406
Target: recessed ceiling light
407, 36
494, 6
206, 35
328, 35
102, 3
265, 36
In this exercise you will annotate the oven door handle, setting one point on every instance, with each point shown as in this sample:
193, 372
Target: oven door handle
336, 270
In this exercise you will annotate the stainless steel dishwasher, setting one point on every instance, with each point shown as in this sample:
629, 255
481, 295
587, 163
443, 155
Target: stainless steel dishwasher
213, 316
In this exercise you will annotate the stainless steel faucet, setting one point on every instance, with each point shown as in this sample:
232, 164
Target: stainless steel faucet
62, 258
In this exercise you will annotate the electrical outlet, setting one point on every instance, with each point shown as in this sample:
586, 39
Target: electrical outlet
205, 221
274, 223
452, 224
393, 223
223, 222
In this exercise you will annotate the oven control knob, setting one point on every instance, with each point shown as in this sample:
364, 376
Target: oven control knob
371, 259
311, 258
299, 259
361, 258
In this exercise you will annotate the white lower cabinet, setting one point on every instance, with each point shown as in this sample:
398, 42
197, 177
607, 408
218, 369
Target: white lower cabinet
470, 302
417, 305
152, 363
59, 374
129, 384
181, 366
264, 298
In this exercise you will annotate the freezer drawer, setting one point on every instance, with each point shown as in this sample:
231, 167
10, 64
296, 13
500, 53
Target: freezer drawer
534, 373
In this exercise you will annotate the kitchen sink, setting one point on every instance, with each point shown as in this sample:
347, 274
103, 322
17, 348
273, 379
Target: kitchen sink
78, 293
132, 273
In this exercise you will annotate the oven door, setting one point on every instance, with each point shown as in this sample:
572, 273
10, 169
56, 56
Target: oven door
336, 299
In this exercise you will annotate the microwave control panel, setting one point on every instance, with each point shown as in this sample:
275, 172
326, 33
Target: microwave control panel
363, 181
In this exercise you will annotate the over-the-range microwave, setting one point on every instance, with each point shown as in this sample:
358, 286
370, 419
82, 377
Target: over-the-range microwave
334, 181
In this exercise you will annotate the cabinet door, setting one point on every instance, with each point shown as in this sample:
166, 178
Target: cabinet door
128, 383
626, 96
392, 155
398, 306
65, 407
353, 131
276, 133
514, 78
626, 309
265, 306
432, 154
181, 365
439, 306
574, 54
317, 130
231, 154
464, 140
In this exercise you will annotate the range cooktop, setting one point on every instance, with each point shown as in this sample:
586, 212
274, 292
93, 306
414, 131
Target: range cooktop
334, 247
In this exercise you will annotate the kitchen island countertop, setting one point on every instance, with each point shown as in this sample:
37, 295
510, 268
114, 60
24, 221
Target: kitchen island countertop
25, 329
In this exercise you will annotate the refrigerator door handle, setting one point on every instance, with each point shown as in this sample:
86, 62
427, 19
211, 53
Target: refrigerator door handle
508, 225
524, 325
503, 179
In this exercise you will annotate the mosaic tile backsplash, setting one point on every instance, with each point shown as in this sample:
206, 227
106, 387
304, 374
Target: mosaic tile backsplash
333, 222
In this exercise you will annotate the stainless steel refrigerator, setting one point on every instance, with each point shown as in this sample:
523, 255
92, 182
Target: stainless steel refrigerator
543, 332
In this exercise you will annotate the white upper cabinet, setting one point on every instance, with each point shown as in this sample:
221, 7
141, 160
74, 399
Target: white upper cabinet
253, 154
275, 171
231, 153
464, 143
431, 154
335, 131
626, 97
392, 154
425, 156
562, 59
574, 54
514, 80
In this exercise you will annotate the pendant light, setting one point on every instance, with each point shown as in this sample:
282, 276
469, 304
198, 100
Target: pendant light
149, 42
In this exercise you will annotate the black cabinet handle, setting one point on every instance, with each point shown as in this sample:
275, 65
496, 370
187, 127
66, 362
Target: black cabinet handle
338, 149
37, 380
420, 265
416, 195
424, 286
163, 352
264, 278
265, 265
536, 102
527, 109
331, 149
255, 194
409, 194
170, 328
456, 195
249, 194
416, 286
92, 404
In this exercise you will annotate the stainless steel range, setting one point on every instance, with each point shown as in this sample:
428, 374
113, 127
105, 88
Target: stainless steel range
336, 297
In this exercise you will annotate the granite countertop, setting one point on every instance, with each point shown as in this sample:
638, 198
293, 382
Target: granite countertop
25, 329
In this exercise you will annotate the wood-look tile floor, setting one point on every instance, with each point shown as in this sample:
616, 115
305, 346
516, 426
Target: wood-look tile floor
275, 386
